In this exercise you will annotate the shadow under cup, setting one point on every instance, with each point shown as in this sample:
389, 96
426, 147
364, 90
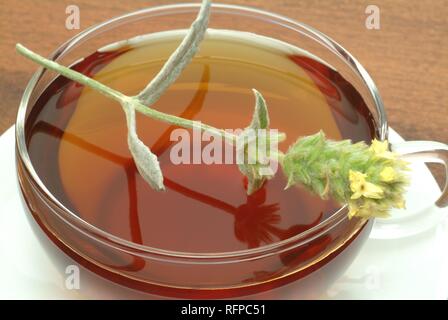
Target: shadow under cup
303, 266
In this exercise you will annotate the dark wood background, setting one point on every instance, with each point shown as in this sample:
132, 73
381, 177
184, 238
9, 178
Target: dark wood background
407, 57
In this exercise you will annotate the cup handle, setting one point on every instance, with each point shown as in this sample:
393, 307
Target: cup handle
430, 216
427, 151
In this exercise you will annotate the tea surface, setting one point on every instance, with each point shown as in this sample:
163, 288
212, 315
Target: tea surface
77, 141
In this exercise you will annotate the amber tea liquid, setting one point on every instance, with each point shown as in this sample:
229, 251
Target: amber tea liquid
76, 139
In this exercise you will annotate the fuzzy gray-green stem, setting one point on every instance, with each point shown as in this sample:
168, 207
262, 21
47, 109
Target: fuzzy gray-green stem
122, 98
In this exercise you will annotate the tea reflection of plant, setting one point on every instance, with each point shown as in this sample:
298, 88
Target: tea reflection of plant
370, 179
249, 229
255, 221
137, 263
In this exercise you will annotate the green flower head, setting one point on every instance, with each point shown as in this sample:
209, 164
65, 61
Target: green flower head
370, 179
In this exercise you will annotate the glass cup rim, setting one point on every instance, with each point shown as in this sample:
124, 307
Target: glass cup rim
111, 240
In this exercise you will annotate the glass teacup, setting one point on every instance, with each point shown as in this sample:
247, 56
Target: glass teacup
302, 266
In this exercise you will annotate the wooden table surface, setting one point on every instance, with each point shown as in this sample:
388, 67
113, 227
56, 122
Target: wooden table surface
407, 57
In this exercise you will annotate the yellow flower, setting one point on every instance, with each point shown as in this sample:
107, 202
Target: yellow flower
400, 203
352, 210
356, 179
365, 210
379, 146
381, 149
388, 174
362, 188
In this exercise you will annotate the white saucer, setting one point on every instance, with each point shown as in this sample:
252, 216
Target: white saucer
409, 268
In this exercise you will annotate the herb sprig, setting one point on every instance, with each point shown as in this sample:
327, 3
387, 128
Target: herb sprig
370, 179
